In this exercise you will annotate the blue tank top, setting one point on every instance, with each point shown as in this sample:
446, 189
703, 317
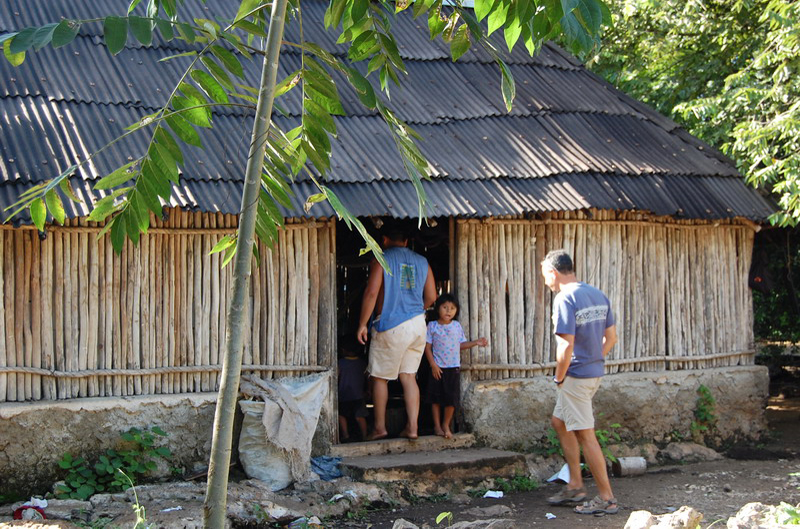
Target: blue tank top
402, 291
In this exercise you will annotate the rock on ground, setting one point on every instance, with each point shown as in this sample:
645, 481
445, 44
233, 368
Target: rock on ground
756, 516
683, 518
688, 453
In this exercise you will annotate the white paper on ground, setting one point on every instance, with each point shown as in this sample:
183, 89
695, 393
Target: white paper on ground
562, 474
493, 494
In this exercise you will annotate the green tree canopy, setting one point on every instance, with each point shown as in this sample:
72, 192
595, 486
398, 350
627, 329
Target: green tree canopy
727, 71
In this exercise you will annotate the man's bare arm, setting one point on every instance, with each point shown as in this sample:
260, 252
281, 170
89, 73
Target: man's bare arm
370, 297
564, 346
429, 292
609, 339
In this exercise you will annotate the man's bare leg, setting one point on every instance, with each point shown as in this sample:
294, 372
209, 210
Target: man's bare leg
597, 462
572, 452
411, 397
380, 397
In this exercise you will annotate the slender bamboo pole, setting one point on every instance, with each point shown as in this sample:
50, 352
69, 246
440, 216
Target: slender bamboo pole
216, 271
36, 316
214, 507
27, 335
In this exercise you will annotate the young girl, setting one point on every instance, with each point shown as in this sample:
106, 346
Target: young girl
445, 339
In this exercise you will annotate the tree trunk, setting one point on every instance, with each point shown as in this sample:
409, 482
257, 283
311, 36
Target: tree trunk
216, 493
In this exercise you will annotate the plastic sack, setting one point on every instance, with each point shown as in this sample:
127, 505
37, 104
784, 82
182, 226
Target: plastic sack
275, 442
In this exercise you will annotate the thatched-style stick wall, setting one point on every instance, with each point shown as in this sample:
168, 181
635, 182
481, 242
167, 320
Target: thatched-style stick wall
77, 320
679, 290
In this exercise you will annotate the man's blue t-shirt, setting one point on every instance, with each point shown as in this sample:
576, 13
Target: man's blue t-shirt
584, 312
402, 291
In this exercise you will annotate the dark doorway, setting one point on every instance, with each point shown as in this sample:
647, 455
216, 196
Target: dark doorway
352, 269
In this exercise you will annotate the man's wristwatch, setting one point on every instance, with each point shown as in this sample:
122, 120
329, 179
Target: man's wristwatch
557, 381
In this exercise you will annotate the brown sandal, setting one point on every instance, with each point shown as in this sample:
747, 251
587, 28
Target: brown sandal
566, 495
598, 506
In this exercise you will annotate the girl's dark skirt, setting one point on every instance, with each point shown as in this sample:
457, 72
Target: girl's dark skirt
447, 390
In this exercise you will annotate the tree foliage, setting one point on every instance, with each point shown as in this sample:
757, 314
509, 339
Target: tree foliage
727, 71
777, 307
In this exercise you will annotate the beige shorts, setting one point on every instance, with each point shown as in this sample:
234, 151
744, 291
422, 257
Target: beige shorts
574, 402
398, 350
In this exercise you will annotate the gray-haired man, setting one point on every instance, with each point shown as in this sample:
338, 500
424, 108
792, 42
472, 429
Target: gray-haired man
585, 332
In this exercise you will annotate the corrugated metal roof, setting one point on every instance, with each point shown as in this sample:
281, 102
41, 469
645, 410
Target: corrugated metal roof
659, 194
571, 142
678, 196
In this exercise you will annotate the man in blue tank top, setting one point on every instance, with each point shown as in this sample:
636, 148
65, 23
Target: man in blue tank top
398, 332
585, 333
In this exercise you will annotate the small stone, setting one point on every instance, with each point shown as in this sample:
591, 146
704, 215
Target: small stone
403, 524
67, 509
689, 453
486, 524
494, 511
727, 488
461, 499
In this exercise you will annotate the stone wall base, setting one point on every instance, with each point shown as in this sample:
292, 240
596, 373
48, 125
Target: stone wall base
509, 414
658, 407
34, 436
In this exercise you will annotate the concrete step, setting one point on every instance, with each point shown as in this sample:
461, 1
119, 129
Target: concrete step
458, 465
426, 443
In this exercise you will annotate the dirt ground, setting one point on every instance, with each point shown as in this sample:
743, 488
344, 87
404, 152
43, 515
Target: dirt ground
718, 489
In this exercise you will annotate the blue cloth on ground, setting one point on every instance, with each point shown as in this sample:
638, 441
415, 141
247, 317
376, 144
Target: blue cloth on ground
326, 467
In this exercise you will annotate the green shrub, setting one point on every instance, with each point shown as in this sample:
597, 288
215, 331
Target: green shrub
788, 514
518, 483
705, 418
84, 479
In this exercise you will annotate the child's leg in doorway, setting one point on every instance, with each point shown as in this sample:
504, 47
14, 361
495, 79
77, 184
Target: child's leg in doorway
449, 411
344, 435
436, 411
362, 426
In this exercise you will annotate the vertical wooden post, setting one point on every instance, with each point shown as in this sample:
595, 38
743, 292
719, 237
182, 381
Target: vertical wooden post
3, 334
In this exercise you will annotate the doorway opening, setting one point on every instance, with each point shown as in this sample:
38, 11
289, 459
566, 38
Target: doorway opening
434, 242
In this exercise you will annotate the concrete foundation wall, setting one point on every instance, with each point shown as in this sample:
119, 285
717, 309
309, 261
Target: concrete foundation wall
515, 414
34, 436
511, 414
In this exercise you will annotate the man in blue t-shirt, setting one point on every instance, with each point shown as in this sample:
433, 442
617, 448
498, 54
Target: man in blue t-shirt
398, 332
585, 332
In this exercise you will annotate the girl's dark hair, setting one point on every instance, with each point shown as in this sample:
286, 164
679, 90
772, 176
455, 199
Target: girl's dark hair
441, 300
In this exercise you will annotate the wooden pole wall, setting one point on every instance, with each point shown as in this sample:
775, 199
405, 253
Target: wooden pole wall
77, 320
679, 290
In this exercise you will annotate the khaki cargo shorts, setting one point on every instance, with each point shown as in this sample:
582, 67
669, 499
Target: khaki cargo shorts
574, 402
397, 350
